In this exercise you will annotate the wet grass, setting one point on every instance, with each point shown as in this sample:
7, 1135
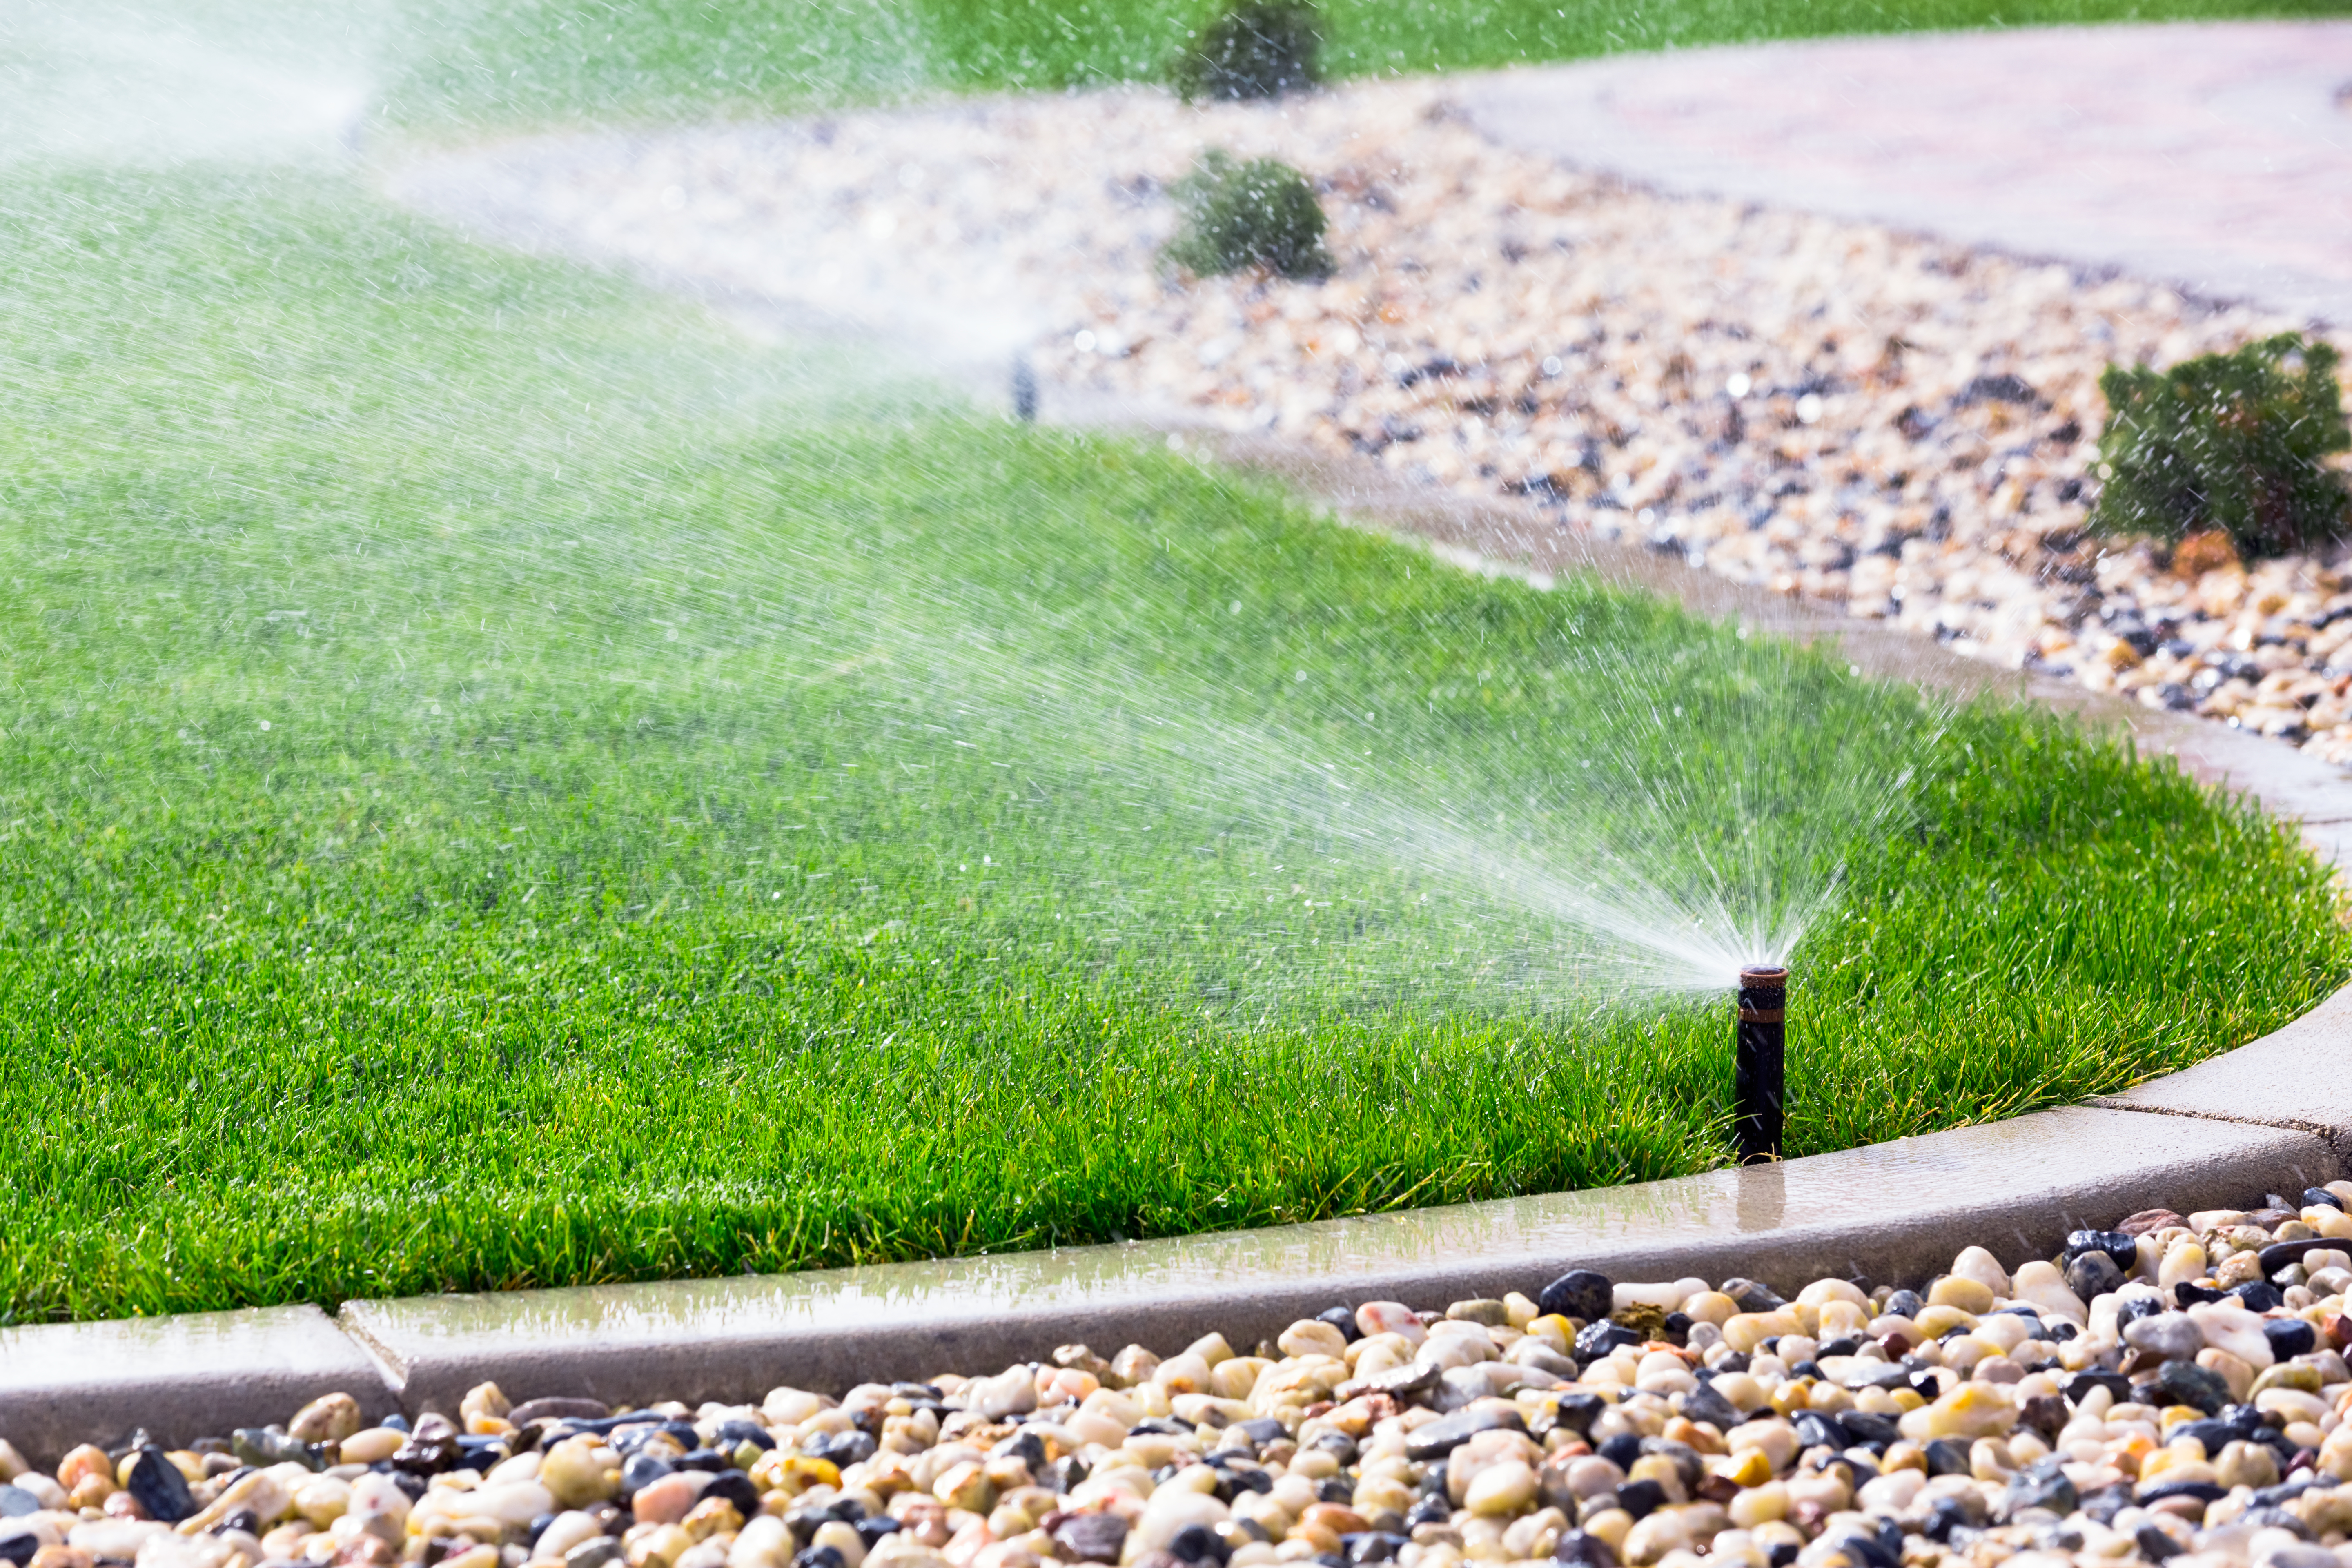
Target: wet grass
502, 785
557, 59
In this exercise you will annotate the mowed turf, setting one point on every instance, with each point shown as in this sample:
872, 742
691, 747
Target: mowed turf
503, 784
563, 60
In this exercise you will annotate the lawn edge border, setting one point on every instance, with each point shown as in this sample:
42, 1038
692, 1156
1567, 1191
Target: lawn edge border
1894, 1211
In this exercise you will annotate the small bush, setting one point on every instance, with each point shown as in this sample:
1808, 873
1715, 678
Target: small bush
2228, 441
1260, 48
1258, 214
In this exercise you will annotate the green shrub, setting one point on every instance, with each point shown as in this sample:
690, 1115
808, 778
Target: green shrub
1259, 48
2228, 441
1258, 214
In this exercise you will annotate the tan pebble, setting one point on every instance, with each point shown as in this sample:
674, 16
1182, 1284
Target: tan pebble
368, 1448
330, 1418
1971, 1296
659, 1546
1309, 1337
1502, 1489
1132, 1365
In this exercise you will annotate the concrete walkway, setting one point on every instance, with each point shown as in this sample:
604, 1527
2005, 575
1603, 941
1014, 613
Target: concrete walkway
2213, 156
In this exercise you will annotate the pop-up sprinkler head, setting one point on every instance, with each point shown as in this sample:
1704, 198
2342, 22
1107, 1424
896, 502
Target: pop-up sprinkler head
1760, 1062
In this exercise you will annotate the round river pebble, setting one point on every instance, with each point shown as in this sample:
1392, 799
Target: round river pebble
1899, 425
2173, 1388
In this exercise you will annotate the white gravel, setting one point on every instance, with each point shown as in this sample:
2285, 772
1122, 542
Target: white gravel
1888, 422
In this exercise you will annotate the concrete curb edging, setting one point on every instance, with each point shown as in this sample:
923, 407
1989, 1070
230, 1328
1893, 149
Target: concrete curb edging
1894, 1211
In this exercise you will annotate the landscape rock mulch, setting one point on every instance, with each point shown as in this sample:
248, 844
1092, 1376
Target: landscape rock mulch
2174, 1388
1891, 424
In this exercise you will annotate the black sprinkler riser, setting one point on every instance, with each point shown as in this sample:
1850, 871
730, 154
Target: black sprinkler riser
1760, 1062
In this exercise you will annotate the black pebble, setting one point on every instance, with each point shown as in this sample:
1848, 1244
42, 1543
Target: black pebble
1905, 1304
2314, 1196
736, 1488
1026, 1446
1065, 1475
1705, 1404
1816, 1430
640, 1471
1578, 1293
1877, 1433
2260, 1296
2186, 1382
1945, 1458
1753, 1296
1428, 1511
1197, 1544
2290, 1337
735, 1434
2093, 1274
1577, 1411
160, 1487
2120, 1248
2078, 1387
1598, 1338
1584, 1551
1620, 1451
1641, 1498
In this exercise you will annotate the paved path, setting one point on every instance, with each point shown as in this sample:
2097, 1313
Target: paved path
2215, 156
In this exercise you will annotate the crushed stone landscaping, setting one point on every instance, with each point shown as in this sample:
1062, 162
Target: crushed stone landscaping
1891, 424
2173, 1387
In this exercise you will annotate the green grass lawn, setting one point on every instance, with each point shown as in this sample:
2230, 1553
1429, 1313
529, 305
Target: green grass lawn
502, 783
503, 786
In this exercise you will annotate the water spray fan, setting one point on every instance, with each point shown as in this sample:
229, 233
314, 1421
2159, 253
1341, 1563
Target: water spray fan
1759, 1060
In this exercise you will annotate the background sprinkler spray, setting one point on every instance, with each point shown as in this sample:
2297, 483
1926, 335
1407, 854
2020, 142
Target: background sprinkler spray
1758, 1058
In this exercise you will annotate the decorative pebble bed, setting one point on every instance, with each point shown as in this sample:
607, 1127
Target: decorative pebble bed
2173, 1386
1889, 423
